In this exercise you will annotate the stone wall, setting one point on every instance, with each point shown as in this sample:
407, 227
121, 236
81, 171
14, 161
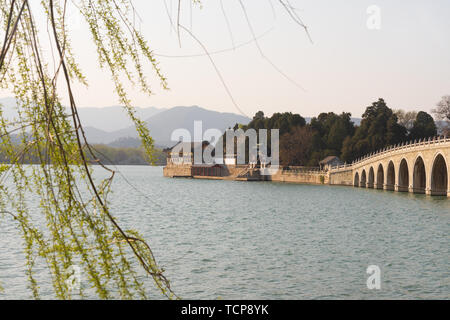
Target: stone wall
417, 167
317, 177
242, 173
174, 171
232, 171
344, 177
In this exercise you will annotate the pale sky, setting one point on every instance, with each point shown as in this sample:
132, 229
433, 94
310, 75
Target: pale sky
348, 66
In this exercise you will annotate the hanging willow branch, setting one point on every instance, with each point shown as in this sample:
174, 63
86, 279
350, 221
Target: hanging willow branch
71, 223
79, 228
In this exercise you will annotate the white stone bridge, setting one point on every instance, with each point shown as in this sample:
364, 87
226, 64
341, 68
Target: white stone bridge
417, 167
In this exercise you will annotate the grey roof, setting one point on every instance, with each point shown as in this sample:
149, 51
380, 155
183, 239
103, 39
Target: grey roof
180, 146
329, 159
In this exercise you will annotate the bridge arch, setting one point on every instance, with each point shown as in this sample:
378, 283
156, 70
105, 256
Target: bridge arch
420, 167
439, 176
390, 178
380, 177
356, 180
363, 182
371, 181
403, 176
419, 176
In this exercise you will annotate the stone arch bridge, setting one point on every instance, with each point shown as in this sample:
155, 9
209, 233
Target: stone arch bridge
416, 167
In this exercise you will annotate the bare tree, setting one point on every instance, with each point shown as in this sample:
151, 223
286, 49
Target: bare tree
442, 112
406, 118
295, 146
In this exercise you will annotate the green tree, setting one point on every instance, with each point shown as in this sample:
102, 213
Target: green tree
285, 122
295, 146
330, 131
259, 116
379, 128
423, 127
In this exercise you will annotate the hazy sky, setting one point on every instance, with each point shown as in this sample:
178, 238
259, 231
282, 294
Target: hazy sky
348, 66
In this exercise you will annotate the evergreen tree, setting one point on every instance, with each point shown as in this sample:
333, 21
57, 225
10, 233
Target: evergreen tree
330, 131
379, 128
424, 127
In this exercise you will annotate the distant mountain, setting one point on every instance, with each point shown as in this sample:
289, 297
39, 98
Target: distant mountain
356, 121
107, 119
111, 125
164, 123
114, 118
126, 143
95, 135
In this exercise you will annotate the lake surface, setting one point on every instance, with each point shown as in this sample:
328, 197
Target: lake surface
262, 240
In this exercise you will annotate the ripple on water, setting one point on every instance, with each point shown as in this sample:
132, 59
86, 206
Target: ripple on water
238, 240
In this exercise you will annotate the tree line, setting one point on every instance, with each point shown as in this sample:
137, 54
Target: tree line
105, 154
331, 134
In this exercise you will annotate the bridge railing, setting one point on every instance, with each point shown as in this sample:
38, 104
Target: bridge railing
297, 169
401, 146
342, 167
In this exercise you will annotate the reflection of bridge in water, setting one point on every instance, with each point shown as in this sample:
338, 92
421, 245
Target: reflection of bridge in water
417, 167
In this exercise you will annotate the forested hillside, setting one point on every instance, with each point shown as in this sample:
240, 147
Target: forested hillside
328, 134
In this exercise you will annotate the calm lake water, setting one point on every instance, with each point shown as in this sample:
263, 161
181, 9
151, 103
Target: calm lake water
261, 240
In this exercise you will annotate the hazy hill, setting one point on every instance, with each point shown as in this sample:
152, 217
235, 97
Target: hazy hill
111, 125
108, 124
105, 119
112, 118
164, 123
